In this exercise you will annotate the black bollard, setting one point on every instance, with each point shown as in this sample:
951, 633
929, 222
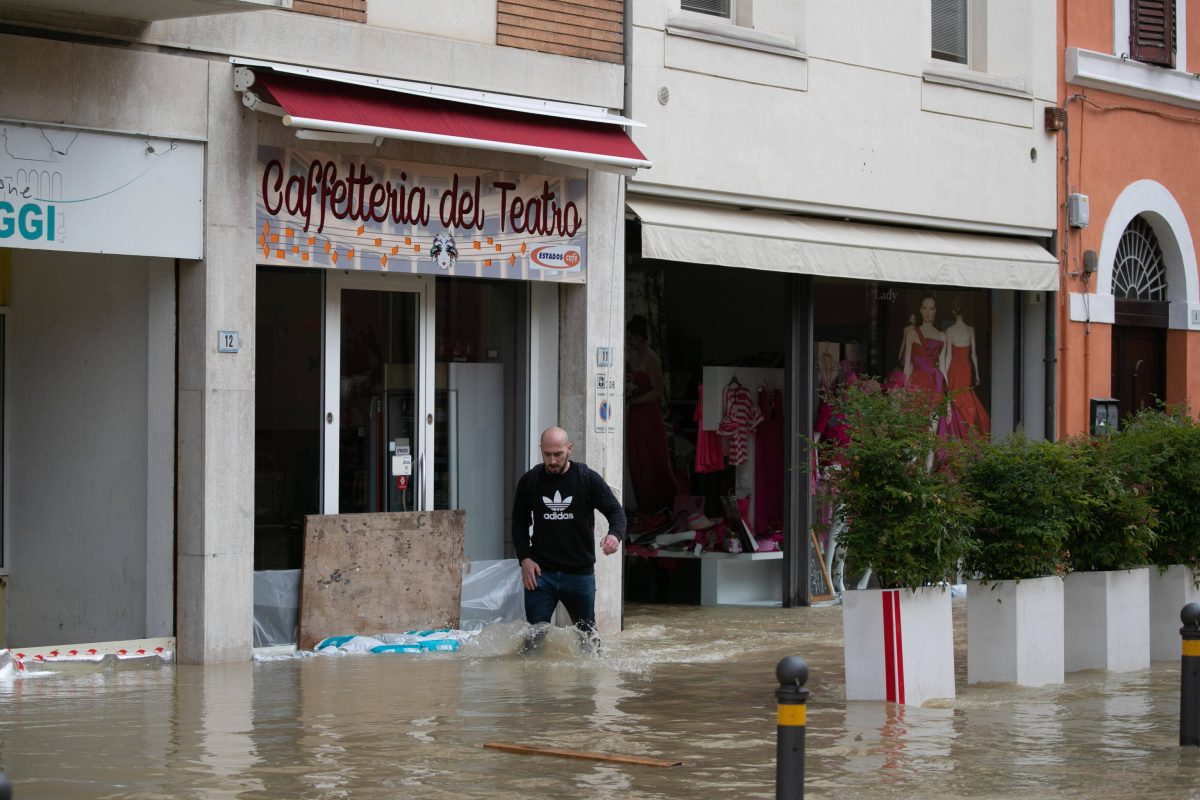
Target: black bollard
5, 788
1189, 676
792, 709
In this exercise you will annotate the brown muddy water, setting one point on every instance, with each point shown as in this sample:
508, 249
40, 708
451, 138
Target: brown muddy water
680, 682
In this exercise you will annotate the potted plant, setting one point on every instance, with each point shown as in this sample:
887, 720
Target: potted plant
1159, 449
908, 520
1015, 602
1106, 611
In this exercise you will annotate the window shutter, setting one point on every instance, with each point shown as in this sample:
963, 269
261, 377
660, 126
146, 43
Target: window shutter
1152, 31
718, 8
949, 30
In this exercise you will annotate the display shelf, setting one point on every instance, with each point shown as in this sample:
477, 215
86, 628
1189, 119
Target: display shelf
735, 579
771, 555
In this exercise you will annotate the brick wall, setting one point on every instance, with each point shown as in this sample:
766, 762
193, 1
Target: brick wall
580, 28
353, 10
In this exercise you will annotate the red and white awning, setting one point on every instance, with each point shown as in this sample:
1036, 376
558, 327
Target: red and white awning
323, 104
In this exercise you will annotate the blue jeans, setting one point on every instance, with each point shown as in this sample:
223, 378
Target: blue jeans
577, 593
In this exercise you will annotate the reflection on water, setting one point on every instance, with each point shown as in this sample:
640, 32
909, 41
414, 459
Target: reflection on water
679, 682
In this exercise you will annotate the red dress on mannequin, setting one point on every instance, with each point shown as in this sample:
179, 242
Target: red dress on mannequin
968, 417
646, 449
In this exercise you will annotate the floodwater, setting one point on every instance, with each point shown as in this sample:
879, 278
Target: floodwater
687, 683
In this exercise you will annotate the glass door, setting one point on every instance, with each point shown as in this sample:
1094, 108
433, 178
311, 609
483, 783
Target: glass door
378, 397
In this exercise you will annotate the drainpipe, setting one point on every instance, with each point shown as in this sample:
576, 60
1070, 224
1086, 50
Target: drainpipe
1050, 434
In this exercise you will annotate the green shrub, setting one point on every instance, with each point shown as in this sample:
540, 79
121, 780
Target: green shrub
1116, 521
1023, 524
908, 517
1159, 452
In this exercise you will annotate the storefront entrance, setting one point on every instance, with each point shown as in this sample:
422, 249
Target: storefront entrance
393, 393
378, 396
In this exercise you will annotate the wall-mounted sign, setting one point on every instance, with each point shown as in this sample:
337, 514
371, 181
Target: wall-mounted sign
90, 192
605, 415
349, 212
228, 342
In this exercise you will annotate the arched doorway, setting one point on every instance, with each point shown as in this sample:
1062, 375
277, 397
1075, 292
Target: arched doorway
1142, 313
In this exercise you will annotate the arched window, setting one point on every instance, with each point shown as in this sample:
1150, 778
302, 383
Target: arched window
1139, 272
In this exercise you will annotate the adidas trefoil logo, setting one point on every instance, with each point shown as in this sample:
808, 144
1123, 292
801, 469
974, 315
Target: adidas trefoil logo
557, 506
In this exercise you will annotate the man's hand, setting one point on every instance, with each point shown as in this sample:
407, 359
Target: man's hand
529, 573
610, 545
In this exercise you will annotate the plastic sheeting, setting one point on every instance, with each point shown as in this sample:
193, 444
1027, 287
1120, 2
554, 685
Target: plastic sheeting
492, 592
276, 607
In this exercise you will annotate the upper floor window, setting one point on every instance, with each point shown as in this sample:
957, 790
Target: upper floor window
1152, 31
950, 30
717, 8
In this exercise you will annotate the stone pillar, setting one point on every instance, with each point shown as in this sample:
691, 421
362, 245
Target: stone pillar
216, 397
592, 316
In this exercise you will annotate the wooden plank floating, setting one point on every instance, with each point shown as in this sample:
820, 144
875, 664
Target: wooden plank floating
585, 755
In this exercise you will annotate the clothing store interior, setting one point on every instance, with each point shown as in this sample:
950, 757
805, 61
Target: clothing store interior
704, 458
704, 426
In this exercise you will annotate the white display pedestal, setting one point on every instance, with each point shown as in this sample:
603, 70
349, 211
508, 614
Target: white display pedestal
1107, 620
1015, 632
1169, 593
899, 644
737, 579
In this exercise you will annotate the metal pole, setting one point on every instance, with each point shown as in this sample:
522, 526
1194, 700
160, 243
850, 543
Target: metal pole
1189, 676
792, 710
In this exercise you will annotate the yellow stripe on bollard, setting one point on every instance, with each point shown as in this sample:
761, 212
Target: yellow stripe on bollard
1191, 647
791, 715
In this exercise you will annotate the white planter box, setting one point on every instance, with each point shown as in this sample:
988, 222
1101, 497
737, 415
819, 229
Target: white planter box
1169, 593
1107, 620
1015, 631
899, 645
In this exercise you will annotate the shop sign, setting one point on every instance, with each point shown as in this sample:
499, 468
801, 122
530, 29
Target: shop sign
350, 212
91, 192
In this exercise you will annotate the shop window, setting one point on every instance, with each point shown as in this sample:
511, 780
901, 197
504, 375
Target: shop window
936, 341
1139, 272
287, 412
1152, 31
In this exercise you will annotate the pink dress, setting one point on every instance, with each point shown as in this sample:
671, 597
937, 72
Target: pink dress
925, 374
710, 457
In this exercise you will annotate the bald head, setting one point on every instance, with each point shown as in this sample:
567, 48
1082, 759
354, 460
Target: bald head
556, 450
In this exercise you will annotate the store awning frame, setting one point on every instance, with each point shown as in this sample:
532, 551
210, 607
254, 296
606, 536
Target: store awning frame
334, 106
678, 231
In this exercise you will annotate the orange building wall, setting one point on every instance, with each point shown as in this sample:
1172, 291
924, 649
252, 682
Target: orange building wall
1183, 369
1115, 140
1193, 36
1089, 24
1084, 372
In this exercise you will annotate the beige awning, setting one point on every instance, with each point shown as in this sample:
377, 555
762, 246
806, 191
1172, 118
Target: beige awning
677, 231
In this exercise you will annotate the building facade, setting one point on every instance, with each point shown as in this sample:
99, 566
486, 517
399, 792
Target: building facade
1129, 205
271, 259
838, 191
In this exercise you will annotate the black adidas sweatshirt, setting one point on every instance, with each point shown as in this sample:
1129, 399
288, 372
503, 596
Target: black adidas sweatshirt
564, 525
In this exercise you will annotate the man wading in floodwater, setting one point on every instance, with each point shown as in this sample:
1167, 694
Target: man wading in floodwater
558, 561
